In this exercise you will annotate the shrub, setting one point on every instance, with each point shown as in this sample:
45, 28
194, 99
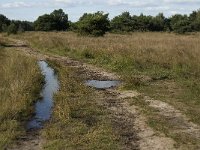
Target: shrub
12, 29
57, 20
93, 24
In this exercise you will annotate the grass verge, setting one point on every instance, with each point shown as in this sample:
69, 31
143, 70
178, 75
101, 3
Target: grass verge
18, 74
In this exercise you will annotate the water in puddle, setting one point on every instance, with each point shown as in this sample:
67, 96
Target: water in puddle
43, 107
102, 84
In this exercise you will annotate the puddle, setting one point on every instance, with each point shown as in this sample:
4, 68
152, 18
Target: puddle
43, 107
102, 84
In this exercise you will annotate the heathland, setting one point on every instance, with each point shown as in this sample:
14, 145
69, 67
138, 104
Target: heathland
163, 67
18, 74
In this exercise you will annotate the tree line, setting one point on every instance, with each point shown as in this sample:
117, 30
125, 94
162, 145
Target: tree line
97, 24
14, 26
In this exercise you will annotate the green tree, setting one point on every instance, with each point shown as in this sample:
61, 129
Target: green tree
57, 20
60, 20
4, 21
12, 29
194, 18
73, 26
180, 23
123, 23
4, 27
144, 22
96, 24
158, 23
20, 29
23, 25
44, 23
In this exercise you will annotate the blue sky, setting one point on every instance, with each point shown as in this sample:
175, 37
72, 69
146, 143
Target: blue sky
31, 9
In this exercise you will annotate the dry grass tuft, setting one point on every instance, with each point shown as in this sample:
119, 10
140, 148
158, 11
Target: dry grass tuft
137, 51
18, 74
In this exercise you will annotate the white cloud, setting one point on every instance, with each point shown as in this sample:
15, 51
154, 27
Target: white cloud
116, 2
174, 12
148, 6
15, 5
129, 2
66, 1
76, 8
180, 1
111, 3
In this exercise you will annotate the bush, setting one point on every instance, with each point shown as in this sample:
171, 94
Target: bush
57, 20
123, 23
4, 21
4, 28
180, 23
12, 29
96, 24
21, 29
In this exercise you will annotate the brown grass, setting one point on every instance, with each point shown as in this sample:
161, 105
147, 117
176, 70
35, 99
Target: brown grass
154, 54
18, 74
164, 66
162, 48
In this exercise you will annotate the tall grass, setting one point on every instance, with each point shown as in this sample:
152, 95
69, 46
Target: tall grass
20, 82
165, 66
140, 52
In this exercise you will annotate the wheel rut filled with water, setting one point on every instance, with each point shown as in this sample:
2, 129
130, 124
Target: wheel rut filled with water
43, 110
43, 107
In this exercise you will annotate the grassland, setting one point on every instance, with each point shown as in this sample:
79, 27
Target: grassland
164, 66
18, 74
144, 61
78, 122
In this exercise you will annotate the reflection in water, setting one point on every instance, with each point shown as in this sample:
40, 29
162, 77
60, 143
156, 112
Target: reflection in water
102, 84
43, 107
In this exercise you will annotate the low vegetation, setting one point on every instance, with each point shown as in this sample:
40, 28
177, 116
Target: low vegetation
17, 76
162, 65
78, 122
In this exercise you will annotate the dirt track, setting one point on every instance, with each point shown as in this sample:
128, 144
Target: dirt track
127, 119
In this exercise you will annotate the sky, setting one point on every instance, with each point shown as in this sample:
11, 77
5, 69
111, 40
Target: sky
31, 9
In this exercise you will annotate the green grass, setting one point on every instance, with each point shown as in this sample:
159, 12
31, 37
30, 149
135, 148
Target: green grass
78, 122
17, 76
